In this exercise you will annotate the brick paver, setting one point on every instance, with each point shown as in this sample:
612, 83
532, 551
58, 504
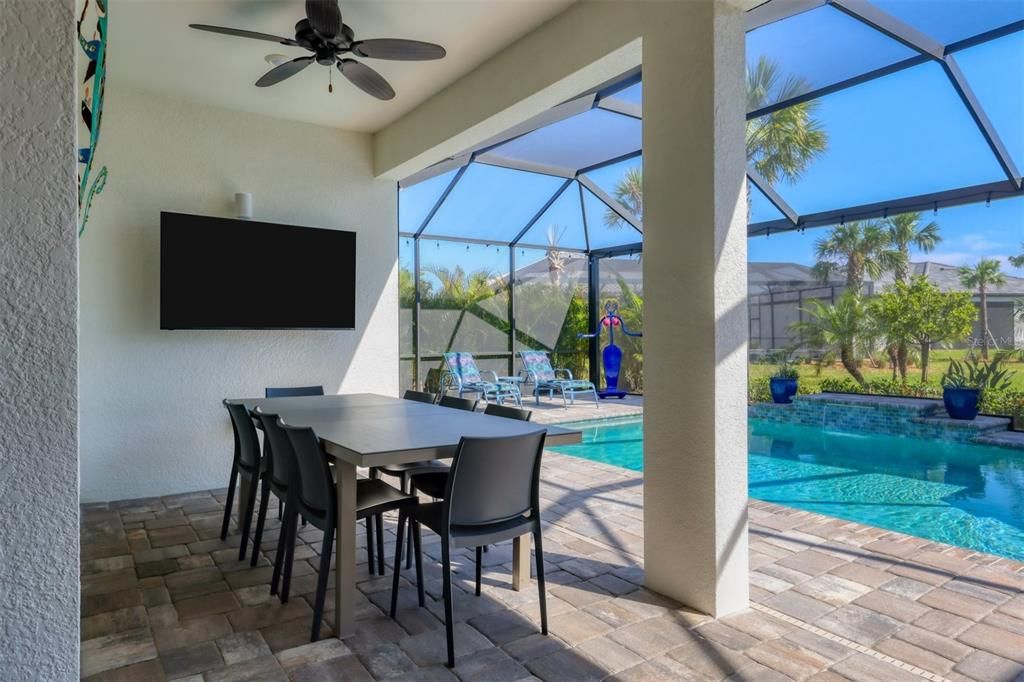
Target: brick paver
164, 597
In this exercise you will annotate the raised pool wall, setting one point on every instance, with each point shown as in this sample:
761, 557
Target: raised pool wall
894, 416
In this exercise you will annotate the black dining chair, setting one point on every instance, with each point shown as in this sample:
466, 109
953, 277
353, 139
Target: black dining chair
492, 495
419, 396
283, 456
316, 499
458, 403
432, 483
292, 391
278, 477
508, 412
248, 464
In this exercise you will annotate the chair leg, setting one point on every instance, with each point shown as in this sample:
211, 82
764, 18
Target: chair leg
371, 562
379, 520
407, 488
419, 561
282, 542
250, 504
230, 502
398, 562
538, 550
289, 557
479, 570
446, 580
321, 582
257, 539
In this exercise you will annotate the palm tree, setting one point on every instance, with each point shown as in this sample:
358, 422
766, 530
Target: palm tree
780, 145
986, 273
839, 325
905, 230
629, 191
557, 259
860, 248
1018, 260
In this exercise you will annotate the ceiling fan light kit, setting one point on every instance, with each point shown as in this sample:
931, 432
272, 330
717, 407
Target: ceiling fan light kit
333, 44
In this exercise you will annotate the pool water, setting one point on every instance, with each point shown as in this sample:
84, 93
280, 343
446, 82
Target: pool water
966, 495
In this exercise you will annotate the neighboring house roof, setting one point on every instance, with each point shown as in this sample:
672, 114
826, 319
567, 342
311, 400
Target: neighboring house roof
947, 278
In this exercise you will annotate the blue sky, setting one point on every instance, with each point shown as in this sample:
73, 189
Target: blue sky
901, 135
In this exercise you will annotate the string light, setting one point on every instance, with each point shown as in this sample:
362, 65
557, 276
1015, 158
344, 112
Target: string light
842, 221
988, 202
935, 209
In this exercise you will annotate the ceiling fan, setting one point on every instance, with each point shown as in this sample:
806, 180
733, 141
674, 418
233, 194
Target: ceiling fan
324, 34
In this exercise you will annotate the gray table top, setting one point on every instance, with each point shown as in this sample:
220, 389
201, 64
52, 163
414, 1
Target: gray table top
366, 429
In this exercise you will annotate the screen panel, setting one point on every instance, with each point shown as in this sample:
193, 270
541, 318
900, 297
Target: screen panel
218, 273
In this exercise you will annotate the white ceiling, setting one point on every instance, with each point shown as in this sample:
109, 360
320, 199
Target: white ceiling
152, 47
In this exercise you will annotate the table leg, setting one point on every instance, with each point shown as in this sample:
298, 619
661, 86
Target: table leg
520, 562
345, 551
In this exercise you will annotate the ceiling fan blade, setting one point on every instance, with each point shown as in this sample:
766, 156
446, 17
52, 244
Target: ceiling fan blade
324, 16
286, 70
243, 34
398, 49
366, 79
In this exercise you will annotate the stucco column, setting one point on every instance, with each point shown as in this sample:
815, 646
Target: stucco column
39, 562
695, 335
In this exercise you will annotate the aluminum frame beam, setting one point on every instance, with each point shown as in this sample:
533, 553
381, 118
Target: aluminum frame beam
543, 209
1003, 189
440, 200
866, 13
492, 159
611, 203
870, 15
908, 63
981, 119
776, 200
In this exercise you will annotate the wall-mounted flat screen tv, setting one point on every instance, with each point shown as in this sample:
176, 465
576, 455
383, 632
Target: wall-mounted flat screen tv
220, 273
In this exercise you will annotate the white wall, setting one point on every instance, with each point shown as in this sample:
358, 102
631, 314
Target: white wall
152, 420
38, 259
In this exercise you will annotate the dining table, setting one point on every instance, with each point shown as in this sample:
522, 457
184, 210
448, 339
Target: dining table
370, 430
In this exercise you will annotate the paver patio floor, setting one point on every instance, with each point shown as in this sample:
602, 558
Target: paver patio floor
164, 598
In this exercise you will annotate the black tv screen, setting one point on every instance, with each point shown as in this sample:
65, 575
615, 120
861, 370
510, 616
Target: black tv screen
218, 273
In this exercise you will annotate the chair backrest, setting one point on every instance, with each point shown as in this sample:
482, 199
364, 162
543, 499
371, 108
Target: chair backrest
494, 479
247, 443
507, 412
282, 459
419, 396
316, 485
458, 403
537, 361
463, 366
292, 391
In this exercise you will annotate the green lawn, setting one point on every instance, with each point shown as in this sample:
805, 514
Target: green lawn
810, 377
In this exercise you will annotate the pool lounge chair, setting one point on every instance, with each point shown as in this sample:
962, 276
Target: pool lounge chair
462, 374
544, 377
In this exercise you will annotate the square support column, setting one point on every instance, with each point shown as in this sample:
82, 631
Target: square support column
695, 285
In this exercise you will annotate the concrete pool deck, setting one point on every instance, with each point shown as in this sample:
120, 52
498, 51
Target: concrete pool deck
164, 598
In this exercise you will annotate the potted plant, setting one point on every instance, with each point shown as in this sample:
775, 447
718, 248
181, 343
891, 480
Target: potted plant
783, 383
964, 382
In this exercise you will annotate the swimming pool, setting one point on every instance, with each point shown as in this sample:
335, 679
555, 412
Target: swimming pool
966, 495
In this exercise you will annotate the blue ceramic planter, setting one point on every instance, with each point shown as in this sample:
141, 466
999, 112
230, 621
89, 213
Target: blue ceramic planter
782, 390
961, 403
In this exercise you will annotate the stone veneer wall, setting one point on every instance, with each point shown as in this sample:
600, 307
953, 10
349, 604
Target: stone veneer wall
917, 418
